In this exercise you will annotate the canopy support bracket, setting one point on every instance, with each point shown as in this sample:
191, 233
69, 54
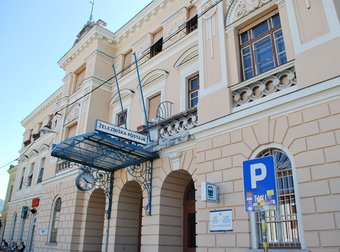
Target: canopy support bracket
142, 173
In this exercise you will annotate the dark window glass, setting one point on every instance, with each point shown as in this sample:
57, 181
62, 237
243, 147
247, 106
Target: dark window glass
263, 55
260, 29
156, 48
192, 24
244, 37
121, 118
276, 20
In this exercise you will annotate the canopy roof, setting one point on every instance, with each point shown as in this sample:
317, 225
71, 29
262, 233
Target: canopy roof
101, 151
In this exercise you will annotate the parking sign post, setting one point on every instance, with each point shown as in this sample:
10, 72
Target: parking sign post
260, 189
259, 184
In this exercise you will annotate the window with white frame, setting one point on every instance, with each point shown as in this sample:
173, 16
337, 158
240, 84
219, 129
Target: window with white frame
55, 218
41, 171
22, 178
153, 103
30, 176
193, 89
121, 118
282, 224
262, 46
10, 193
14, 223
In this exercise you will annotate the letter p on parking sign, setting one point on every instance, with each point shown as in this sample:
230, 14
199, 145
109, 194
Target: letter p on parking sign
259, 184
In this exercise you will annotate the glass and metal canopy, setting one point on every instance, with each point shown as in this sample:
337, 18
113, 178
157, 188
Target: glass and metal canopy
101, 151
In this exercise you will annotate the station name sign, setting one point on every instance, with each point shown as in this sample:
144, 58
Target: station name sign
120, 132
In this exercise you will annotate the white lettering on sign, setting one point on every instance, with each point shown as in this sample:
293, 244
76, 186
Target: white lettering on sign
261, 176
120, 132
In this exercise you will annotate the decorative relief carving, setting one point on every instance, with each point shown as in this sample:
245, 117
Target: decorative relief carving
178, 126
240, 8
209, 10
260, 88
72, 114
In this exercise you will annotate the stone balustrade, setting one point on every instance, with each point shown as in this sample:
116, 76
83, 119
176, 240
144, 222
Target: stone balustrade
263, 85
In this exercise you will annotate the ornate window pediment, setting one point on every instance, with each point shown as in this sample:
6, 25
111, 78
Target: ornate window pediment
126, 95
73, 113
33, 153
187, 56
240, 8
153, 77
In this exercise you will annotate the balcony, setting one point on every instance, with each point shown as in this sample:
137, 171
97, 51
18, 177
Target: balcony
266, 84
63, 165
172, 130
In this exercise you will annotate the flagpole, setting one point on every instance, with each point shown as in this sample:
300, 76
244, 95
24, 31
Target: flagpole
141, 94
120, 98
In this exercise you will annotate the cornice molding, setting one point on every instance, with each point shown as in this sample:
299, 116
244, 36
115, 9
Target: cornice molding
141, 19
96, 33
49, 102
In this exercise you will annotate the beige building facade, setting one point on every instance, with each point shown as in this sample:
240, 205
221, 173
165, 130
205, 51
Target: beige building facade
223, 82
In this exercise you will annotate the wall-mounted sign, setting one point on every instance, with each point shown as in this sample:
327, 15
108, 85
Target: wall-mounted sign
259, 184
221, 220
120, 132
24, 211
35, 202
209, 192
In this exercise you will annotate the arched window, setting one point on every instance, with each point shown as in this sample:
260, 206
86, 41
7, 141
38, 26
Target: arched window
55, 217
14, 222
282, 224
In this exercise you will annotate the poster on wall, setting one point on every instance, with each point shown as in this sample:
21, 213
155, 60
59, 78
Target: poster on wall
221, 220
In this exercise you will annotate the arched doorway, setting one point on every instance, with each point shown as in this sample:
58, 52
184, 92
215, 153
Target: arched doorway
129, 218
94, 225
177, 213
189, 219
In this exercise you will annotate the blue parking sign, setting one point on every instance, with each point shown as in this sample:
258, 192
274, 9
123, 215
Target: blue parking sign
259, 184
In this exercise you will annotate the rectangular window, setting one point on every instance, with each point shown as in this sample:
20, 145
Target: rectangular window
41, 172
80, 74
153, 105
30, 176
127, 62
121, 118
157, 46
192, 23
71, 131
10, 193
193, 88
262, 47
22, 178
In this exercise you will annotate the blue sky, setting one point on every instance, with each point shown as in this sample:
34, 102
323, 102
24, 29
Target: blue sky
35, 34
